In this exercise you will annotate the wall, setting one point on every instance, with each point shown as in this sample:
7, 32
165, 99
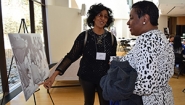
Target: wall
63, 3
172, 25
163, 23
118, 24
64, 24
181, 20
122, 28
119, 7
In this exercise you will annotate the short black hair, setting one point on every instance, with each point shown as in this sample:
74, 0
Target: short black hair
95, 10
147, 7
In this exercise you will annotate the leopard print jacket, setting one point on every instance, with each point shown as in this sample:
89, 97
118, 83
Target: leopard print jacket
153, 59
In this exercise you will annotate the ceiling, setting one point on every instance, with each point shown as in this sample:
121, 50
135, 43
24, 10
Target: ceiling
172, 8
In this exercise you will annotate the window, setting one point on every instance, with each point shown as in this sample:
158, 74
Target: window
13, 11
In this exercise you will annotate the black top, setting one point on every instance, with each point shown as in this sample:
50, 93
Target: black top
90, 69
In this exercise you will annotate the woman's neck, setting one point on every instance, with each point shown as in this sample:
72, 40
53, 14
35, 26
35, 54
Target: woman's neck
98, 31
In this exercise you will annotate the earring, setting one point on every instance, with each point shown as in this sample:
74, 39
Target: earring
144, 23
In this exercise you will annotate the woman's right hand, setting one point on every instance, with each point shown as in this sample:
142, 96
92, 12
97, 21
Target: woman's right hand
48, 83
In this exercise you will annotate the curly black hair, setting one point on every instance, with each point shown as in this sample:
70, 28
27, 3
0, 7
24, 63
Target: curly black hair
147, 7
95, 10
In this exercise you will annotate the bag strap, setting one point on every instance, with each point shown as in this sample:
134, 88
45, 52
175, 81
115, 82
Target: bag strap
112, 39
85, 39
86, 34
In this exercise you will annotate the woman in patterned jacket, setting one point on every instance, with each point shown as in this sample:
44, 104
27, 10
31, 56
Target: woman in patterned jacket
152, 56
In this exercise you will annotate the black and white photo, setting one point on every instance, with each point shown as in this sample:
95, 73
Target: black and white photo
31, 61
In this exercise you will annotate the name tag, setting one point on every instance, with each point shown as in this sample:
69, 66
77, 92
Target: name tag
100, 56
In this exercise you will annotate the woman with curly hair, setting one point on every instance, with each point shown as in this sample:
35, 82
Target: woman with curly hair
95, 53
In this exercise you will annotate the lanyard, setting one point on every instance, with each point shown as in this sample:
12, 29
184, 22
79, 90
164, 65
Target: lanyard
97, 43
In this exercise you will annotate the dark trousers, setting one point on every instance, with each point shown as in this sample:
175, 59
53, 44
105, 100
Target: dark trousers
89, 90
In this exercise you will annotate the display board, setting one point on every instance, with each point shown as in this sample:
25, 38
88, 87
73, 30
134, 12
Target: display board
29, 54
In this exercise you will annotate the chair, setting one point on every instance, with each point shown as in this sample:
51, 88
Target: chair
125, 45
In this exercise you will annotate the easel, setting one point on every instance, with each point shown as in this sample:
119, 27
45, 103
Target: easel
22, 24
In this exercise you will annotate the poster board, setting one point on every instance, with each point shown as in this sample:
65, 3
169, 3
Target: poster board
30, 59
